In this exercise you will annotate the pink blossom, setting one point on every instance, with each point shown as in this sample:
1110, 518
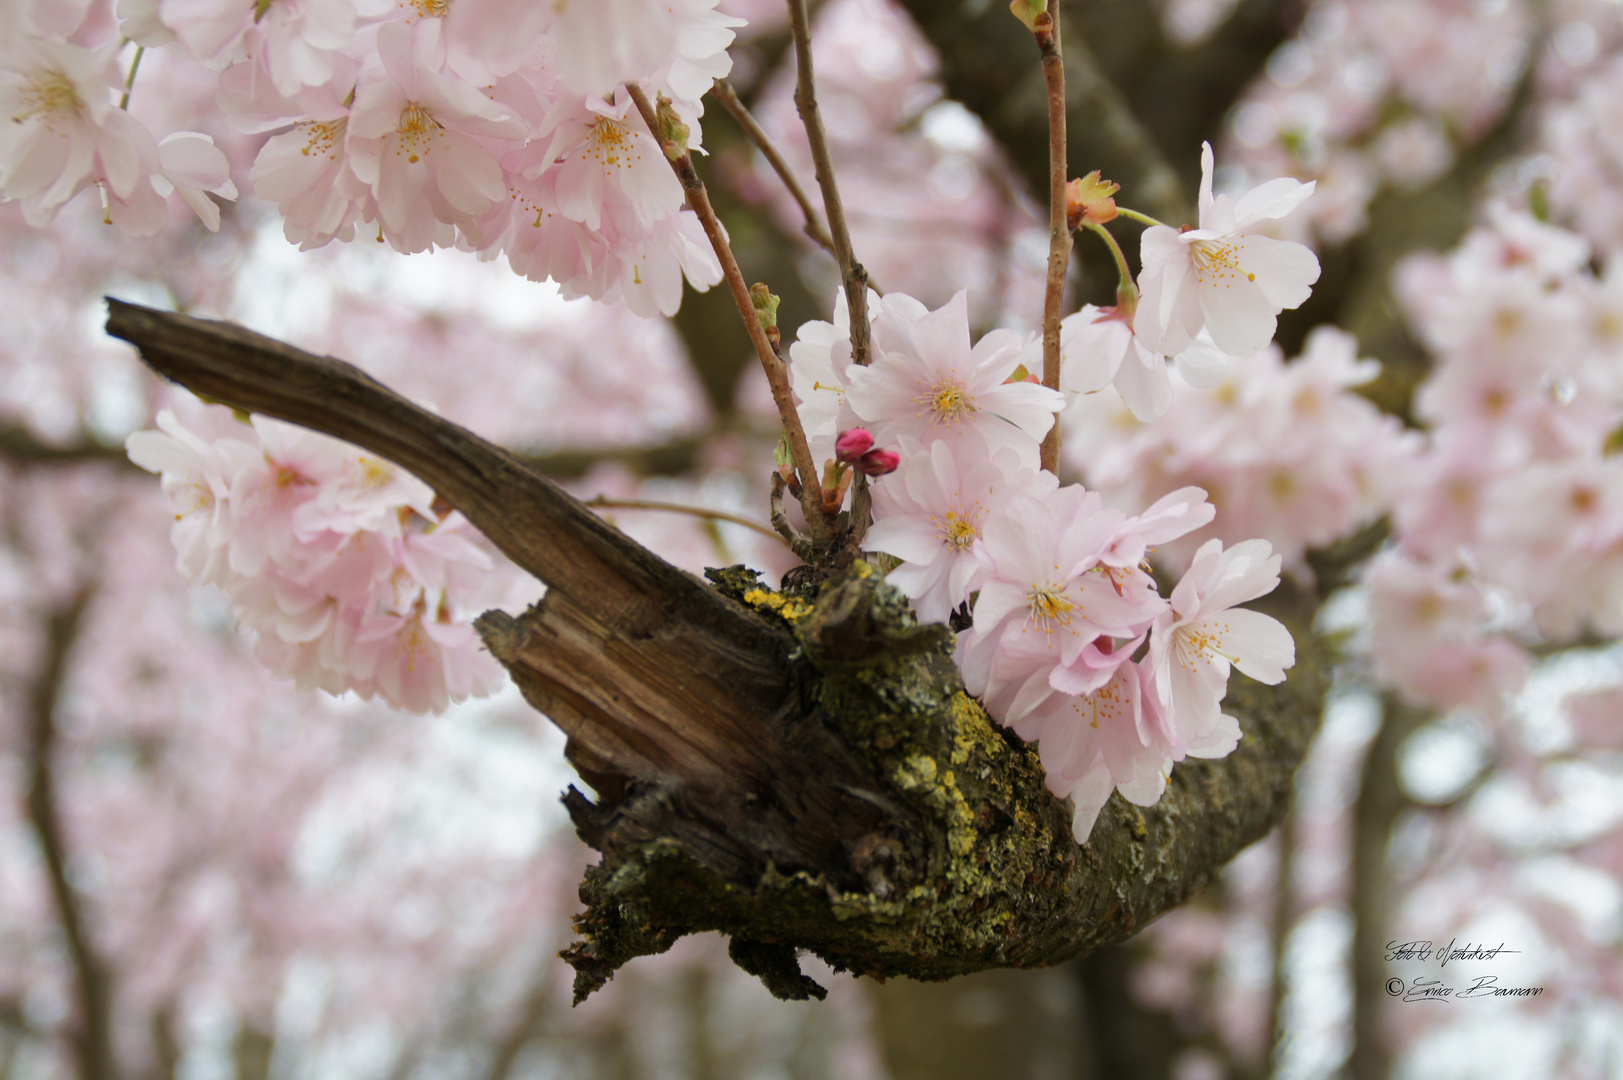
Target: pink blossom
61, 131
1100, 349
1194, 643
604, 44
1223, 276
336, 560
412, 142
925, 381
932, 514
293, 40
1043, 606
599, 148
819, 361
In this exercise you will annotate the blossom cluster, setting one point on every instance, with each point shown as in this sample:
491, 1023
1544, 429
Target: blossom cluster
482, 124
1287, 450
1071, 643
1508, 528
350, 575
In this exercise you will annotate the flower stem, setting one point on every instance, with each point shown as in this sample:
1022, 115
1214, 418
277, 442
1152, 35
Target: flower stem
129, 83
1126, 291
1046, 34
777, 372
1142, 219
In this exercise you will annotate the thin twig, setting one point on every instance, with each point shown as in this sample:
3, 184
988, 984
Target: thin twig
93, 1040
129, 83
851, 271
777, 372
735, 108
1046, 34
606, 503
780, 521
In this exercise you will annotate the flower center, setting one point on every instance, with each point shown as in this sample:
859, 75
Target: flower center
1049, 606
48, 92
611, 142
323, 138
416, 130
1218, 259
960, 531
948, 402
428, 9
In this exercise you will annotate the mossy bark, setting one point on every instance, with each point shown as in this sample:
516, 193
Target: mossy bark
974, 865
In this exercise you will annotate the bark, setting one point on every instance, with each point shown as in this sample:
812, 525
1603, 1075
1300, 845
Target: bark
1380, 802
92, 1031
795, 771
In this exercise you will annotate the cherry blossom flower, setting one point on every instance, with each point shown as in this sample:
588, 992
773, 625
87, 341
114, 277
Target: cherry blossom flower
1202, 634
61, 132
1043, 607
1100, 349
818, 362
601, 45
931, 515
292, 40
925, 381
412, 142
1223, 276
1093, 744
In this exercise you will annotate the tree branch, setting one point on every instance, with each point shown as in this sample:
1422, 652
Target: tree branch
19, 446
851, 271
814, 228
93, 1045
794, 773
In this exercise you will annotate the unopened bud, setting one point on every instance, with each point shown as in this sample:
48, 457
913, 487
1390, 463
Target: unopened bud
673, 134
836, 482
878, 462
1089, 199
852, 444
1028, 10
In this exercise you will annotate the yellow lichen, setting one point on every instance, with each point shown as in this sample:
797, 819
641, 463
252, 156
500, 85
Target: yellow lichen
788, 608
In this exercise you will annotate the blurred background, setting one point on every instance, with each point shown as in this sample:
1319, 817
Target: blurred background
224, 879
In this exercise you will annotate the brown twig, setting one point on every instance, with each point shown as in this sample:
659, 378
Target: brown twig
730, 101
851, 271
1046, 33
604, 502
93, 1040
19, 446
777, 372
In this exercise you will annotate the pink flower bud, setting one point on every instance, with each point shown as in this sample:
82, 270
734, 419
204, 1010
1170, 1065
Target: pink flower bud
852, 444
878, 462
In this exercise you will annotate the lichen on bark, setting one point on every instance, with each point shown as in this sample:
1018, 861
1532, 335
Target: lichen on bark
975, 865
